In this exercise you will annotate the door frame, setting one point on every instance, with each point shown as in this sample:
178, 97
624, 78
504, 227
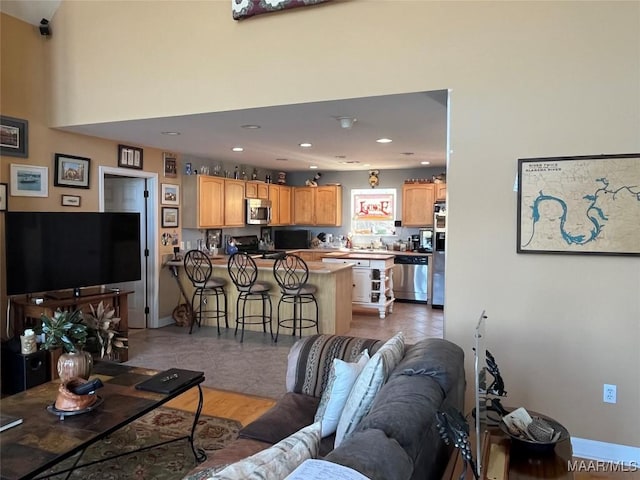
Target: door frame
153, 278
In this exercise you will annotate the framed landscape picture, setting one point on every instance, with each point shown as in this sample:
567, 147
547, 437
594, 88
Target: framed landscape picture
170, 194
70, 200
71, 171
29, 181
579, 205
169, 217
14, 136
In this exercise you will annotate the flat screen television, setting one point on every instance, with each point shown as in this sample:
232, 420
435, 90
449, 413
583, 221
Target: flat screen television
52, 251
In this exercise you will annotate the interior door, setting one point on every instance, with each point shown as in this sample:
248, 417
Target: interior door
124, 194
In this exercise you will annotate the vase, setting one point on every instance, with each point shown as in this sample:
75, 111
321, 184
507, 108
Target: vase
75, 364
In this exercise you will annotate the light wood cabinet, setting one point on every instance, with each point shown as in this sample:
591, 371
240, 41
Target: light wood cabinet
280, 196
203, 201
318, 205
234, 203
441, 191
256, 190
417, 204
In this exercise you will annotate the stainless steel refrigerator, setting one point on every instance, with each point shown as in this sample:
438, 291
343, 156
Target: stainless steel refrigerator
439, 254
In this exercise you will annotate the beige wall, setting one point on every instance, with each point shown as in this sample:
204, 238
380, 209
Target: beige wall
527, 79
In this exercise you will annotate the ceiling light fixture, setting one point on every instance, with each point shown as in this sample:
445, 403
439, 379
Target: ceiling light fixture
250, 127
282, 159
305, 145
425, 163
384, 140
406, 153
170, 133
346, 122
237, 149
313, 166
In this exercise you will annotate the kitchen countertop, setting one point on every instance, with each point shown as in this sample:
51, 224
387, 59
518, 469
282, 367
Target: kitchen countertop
333, 252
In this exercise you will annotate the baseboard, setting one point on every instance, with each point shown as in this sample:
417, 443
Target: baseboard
607, 452
165, 321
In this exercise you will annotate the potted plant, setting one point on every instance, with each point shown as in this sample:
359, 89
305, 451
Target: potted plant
66, 330
103, 322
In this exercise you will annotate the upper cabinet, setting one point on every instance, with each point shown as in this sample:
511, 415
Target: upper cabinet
441, 191
203, 201
256, 190
320, 205
280, 196
212, 202
417, 204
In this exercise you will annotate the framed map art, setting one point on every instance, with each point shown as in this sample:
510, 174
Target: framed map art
579, 205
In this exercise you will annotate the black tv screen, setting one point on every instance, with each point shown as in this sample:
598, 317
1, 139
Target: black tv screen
48, 251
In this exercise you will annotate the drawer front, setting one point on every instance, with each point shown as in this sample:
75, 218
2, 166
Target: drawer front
361, 263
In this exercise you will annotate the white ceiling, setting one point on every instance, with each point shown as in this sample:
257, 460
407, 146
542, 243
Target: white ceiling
416, 122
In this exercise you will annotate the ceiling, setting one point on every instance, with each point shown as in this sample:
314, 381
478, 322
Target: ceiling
415, 122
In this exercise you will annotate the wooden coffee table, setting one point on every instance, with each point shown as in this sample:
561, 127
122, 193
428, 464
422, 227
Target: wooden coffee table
44, 439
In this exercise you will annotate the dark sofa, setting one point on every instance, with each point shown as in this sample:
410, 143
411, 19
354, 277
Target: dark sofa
397, 439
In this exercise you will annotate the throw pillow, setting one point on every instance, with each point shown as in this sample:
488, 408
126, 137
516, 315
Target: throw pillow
277, 461
368, 384
334, 397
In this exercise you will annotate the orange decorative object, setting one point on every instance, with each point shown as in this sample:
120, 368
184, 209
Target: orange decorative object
70, 402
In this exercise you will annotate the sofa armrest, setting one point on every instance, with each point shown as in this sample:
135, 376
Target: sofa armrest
310, 360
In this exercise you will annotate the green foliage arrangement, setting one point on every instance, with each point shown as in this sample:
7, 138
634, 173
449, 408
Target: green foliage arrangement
104, 323
65, 329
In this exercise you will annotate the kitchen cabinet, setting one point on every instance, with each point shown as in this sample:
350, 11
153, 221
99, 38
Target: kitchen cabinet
417, 204
372, 276
320, 205
280, 196
256, 190
210, 201
234, 204
203, 201
441, 191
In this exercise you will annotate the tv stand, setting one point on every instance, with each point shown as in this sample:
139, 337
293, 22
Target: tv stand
25, 313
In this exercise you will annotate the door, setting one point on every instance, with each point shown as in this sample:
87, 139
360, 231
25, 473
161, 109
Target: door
123, 194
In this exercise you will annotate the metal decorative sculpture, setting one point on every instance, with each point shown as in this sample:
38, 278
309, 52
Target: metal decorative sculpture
454, 429
497, 386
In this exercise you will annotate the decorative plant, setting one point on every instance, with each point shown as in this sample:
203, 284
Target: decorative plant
65, 329
104, 323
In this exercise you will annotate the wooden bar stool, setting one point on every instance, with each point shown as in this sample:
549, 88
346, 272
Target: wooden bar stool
244, 274
198, 268
291, 272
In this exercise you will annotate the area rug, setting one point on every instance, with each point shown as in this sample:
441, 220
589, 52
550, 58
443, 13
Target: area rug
168, 462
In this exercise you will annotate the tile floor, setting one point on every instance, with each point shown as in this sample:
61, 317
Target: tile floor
258, 365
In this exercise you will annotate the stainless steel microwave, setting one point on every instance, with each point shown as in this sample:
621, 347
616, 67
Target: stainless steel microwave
258, 211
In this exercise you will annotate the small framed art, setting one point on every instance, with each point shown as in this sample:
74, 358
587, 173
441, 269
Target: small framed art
29, 181
169, 217
170, 165
70, 200
129, 157
3, 197
170, 194
14, 136
71, 171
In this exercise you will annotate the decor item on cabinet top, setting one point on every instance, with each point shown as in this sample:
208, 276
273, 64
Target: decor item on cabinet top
313, 182
282, 178
442, 178
373, 178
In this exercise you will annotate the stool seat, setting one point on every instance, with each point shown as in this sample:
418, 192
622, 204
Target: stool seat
244, 275
305, 289
198, 268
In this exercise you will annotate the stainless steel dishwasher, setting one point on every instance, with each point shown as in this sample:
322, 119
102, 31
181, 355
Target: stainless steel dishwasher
411, 278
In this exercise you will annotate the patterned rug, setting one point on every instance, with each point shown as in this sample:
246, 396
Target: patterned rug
168, 462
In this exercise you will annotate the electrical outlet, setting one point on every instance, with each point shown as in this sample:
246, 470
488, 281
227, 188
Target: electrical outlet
609, 393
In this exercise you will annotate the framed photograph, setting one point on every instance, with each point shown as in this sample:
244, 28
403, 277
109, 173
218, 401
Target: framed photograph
169, 217
71, 171
170, 165
214, 238
170, 194
579, 205
29, 181
14, 137
70, 200
129, 157
4, 201
266, 234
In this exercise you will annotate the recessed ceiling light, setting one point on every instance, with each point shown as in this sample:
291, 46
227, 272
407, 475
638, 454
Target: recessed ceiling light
350, 162
341, 156
306, 145
407, 153
313, 166
250, 127
384, 140
366, 165
170, 133
425, 163
237, 149
282, 159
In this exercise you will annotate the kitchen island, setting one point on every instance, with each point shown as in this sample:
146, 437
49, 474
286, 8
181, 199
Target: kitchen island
334, 291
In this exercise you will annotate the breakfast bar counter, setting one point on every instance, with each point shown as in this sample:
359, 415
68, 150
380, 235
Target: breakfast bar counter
334, 291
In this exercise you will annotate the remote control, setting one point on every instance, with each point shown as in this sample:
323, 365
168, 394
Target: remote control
87, 388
